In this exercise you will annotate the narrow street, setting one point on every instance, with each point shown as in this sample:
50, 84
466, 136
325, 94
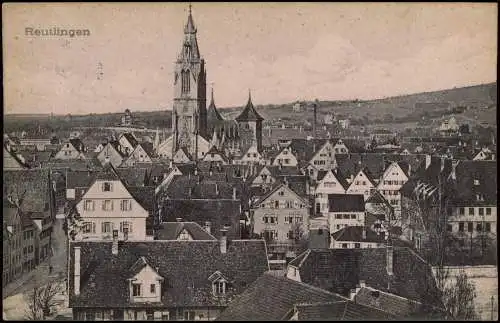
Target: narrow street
14, 304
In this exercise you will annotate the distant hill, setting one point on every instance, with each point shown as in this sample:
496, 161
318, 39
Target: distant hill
473, 104
398, 109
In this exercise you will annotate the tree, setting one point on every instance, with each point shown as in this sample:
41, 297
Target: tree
42, 300
458, 298
73, 223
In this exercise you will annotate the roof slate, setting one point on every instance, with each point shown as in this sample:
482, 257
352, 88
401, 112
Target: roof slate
185, 266
346, 202
171, 231
273, 298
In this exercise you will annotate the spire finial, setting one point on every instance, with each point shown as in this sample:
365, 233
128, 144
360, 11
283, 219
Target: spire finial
190, 6
249, 95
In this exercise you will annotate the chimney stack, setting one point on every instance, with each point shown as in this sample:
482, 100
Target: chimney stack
208, 227
428, 160
364, 233
114, 246
171, 163
216, 189
389, 260
223, 240
234, 193
77, 271
352, 294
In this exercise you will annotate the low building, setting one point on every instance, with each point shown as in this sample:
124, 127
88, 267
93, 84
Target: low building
72, 149
160, 280
358, 237
345, 210
184, 231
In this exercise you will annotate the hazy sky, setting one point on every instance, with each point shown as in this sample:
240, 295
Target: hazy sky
282, 51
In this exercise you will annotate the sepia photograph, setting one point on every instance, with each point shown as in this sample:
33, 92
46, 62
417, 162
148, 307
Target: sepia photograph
240, 161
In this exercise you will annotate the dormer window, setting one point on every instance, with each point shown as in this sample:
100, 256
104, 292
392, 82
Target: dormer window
219, 283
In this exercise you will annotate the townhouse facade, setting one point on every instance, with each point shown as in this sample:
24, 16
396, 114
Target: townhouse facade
345, 211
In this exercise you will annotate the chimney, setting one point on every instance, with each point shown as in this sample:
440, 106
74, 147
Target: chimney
196, 171
77, 271
364, 233
409, 169
454, 165
216, 189
178, 219
114, 246
428, 159
389, 260
234, 193
223, 240
362, 284
352, 294
442, 164
208, 227
171, 163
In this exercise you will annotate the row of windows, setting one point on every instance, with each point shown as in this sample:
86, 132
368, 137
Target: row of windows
481, 211
360, 183
28, 235
107, 205
470, 227
393, 182
390, 192
137, 289
106, 227
289, 204
284, 161
345, 216
319, 162
28, 249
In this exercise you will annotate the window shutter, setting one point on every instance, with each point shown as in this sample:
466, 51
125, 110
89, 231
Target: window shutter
93, 227
104, 205
121, 226
111, 205
103, 226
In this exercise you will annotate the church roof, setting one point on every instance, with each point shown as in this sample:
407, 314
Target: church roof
249, 113
212, 114
190, 27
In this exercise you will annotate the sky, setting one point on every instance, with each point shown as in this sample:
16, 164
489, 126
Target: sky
283, 52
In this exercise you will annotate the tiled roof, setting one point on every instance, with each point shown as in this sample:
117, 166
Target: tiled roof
249, 113
148, 148
398, 306
131, 139
276, 186
133, 176
33, 186
78, 144
346, 202
345, 310
355, 234
219, 212
77, 179
340, 270
201, 187
145, 196
272, 298
171, 231
185, 266
473, 178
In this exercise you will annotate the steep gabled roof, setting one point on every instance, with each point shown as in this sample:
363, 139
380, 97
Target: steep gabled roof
33, 186
340, 270
184, 265
77, 144
171, 231
345, 310
346, 203
130, 138
355, 234
272, 298
249, 113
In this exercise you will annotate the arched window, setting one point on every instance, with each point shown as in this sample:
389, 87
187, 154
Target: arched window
185, 82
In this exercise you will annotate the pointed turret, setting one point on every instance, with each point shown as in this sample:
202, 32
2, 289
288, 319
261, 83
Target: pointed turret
190, 27
249, 113
213, 115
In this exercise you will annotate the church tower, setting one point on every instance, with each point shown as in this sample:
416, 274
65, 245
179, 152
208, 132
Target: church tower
189, 117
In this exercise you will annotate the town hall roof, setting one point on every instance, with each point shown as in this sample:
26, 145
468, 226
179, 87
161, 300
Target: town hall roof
249, 113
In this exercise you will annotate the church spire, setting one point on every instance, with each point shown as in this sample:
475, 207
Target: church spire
190, 27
